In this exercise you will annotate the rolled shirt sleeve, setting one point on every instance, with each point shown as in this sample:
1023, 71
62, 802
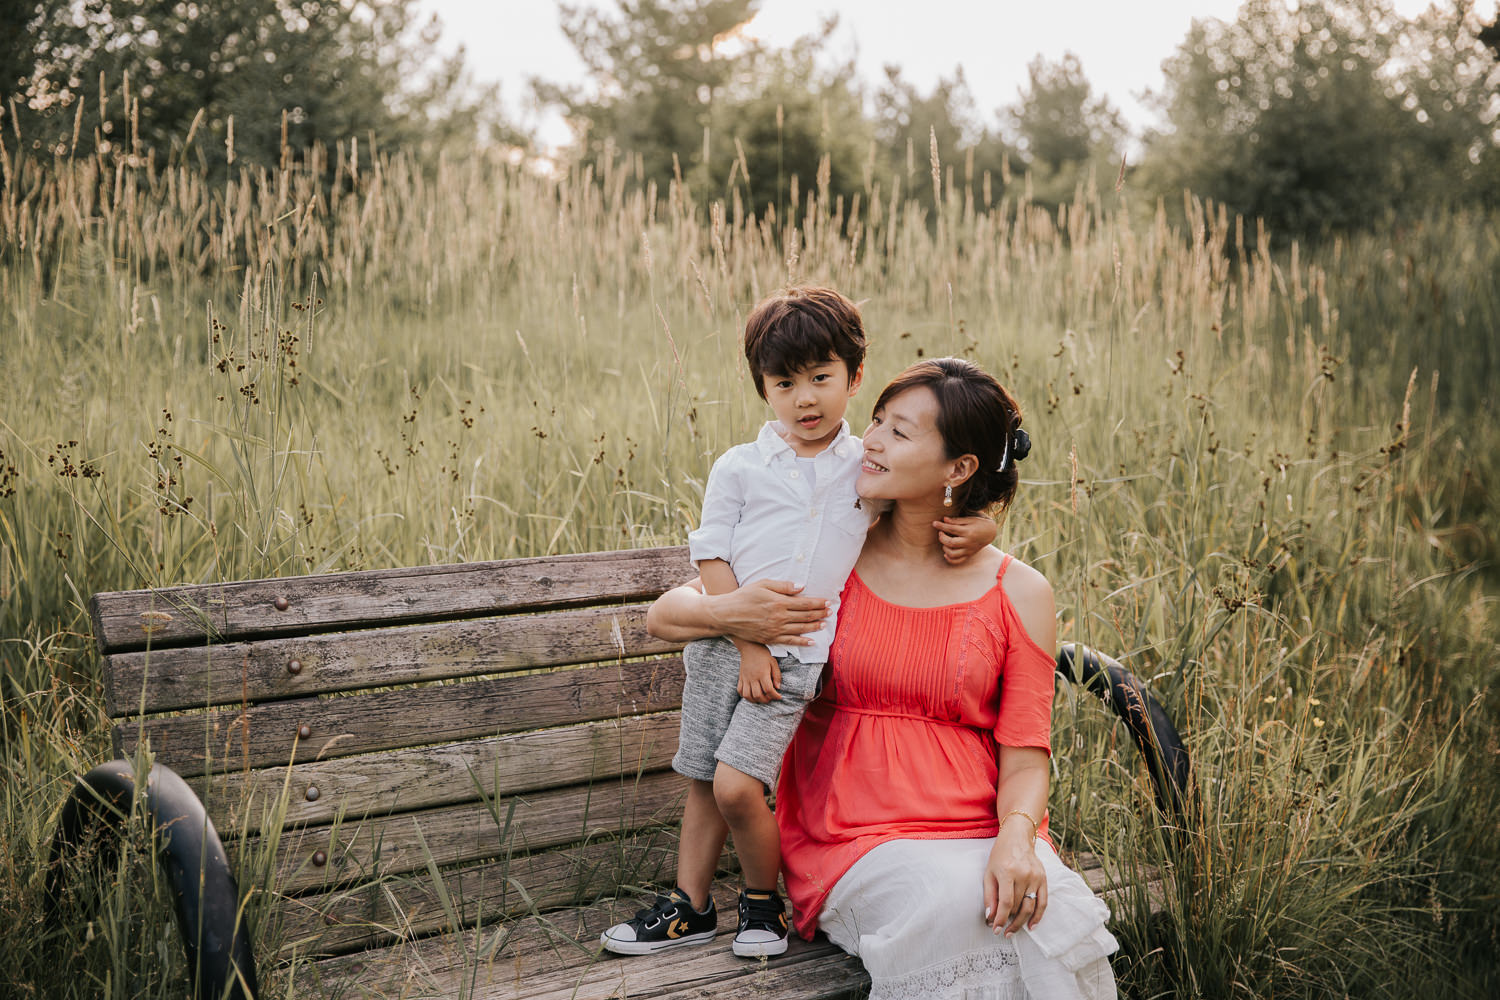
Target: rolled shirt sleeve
723, 499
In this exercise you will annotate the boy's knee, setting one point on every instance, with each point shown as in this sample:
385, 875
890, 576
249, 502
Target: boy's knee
737, 793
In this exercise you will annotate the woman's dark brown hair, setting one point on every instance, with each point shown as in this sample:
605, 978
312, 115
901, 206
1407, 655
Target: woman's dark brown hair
976, 416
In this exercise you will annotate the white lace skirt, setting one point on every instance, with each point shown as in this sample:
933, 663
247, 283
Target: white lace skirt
913, 911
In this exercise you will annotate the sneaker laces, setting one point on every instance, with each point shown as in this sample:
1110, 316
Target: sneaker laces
762, 910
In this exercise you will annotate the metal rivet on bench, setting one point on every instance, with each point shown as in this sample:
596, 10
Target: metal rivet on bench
304, 731
312, 793
294, 667
281, 603
319, 858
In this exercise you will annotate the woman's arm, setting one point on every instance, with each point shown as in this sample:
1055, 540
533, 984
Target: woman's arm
766, 611
1014, 870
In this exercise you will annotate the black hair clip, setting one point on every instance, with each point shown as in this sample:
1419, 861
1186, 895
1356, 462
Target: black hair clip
1017, 447
1022, 447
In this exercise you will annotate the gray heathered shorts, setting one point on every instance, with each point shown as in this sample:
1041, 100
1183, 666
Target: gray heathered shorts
719, 725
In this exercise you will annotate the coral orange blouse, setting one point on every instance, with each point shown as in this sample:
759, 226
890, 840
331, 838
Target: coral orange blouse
903, 742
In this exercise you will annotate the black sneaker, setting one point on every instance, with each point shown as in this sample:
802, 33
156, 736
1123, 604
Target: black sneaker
763, 924
669, 922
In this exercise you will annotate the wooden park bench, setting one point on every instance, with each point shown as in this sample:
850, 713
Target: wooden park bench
460, 775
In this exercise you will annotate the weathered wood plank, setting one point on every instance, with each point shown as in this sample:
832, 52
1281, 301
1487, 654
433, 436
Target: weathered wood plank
431, 776
560, 948
269, 734
382, 846
529, 947
404, 908
249, 672
126, 620
807, 971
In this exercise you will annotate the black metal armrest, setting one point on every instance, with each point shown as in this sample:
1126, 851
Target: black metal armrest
206, 899
1151, 728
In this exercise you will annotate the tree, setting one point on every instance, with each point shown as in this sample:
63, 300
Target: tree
908, 123
1058, 119
1326, 117
676, 83
142, 70
789, 123
1449, 83
655, 68
1063, 129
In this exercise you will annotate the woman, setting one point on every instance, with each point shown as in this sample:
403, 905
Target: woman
912, 801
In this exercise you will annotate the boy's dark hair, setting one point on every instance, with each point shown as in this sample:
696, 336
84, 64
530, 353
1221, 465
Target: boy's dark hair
976, 416
799, 327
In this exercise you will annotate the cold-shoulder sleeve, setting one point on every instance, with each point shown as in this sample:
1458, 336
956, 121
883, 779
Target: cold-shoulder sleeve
1026, 688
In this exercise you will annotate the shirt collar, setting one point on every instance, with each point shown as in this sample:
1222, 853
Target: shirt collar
770, 443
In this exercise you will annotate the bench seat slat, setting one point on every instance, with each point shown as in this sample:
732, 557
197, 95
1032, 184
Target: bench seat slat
249, 672
169, 616
807, 971
390, 845
556, 956
267, 735
431, 776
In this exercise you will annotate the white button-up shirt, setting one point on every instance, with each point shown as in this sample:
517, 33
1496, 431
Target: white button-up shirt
769, 521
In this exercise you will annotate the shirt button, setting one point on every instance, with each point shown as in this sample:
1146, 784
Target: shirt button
800, 557
796, 474
841, 451
813, 513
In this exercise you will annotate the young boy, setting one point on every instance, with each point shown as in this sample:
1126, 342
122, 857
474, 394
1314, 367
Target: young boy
780, 507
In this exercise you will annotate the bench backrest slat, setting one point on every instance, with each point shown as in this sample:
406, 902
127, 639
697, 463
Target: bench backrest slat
172, 616
385, 845
432, 776
247, 672
270, 734
346, 919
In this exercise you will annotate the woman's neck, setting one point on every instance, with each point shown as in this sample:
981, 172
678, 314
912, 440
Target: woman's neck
909, 533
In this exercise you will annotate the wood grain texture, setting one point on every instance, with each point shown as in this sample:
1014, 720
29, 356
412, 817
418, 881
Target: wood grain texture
253, 609
245, 673
269, 734
549, 956
482, 894
383, 846
557, 956
444, 774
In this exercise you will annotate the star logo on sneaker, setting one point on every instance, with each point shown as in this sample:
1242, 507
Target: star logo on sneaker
677, 927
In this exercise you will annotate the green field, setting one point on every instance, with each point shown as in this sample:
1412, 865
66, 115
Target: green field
1264, 478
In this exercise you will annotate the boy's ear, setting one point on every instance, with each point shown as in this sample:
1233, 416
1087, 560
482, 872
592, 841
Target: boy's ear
857, 378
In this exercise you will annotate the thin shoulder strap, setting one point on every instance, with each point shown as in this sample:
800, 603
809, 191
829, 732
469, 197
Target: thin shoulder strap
1004, 565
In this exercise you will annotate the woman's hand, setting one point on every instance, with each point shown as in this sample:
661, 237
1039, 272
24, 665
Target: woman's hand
1015, 883
769, 612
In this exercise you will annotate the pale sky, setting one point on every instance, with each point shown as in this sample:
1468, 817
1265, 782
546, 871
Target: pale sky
1120, 45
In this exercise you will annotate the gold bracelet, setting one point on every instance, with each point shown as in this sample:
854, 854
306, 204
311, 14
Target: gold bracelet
1024, 815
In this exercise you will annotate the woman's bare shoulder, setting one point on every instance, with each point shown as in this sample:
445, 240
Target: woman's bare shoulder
1031, 595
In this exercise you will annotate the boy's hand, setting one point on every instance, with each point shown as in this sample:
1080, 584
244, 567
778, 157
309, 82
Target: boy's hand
962, 537
760, 674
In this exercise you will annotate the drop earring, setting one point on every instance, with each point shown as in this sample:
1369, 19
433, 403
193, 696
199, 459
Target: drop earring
948, 495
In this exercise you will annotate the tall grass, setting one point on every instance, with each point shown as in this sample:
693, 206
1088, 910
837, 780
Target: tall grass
1263, 480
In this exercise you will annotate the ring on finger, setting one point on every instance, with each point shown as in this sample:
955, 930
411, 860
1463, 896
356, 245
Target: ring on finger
1028, 895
